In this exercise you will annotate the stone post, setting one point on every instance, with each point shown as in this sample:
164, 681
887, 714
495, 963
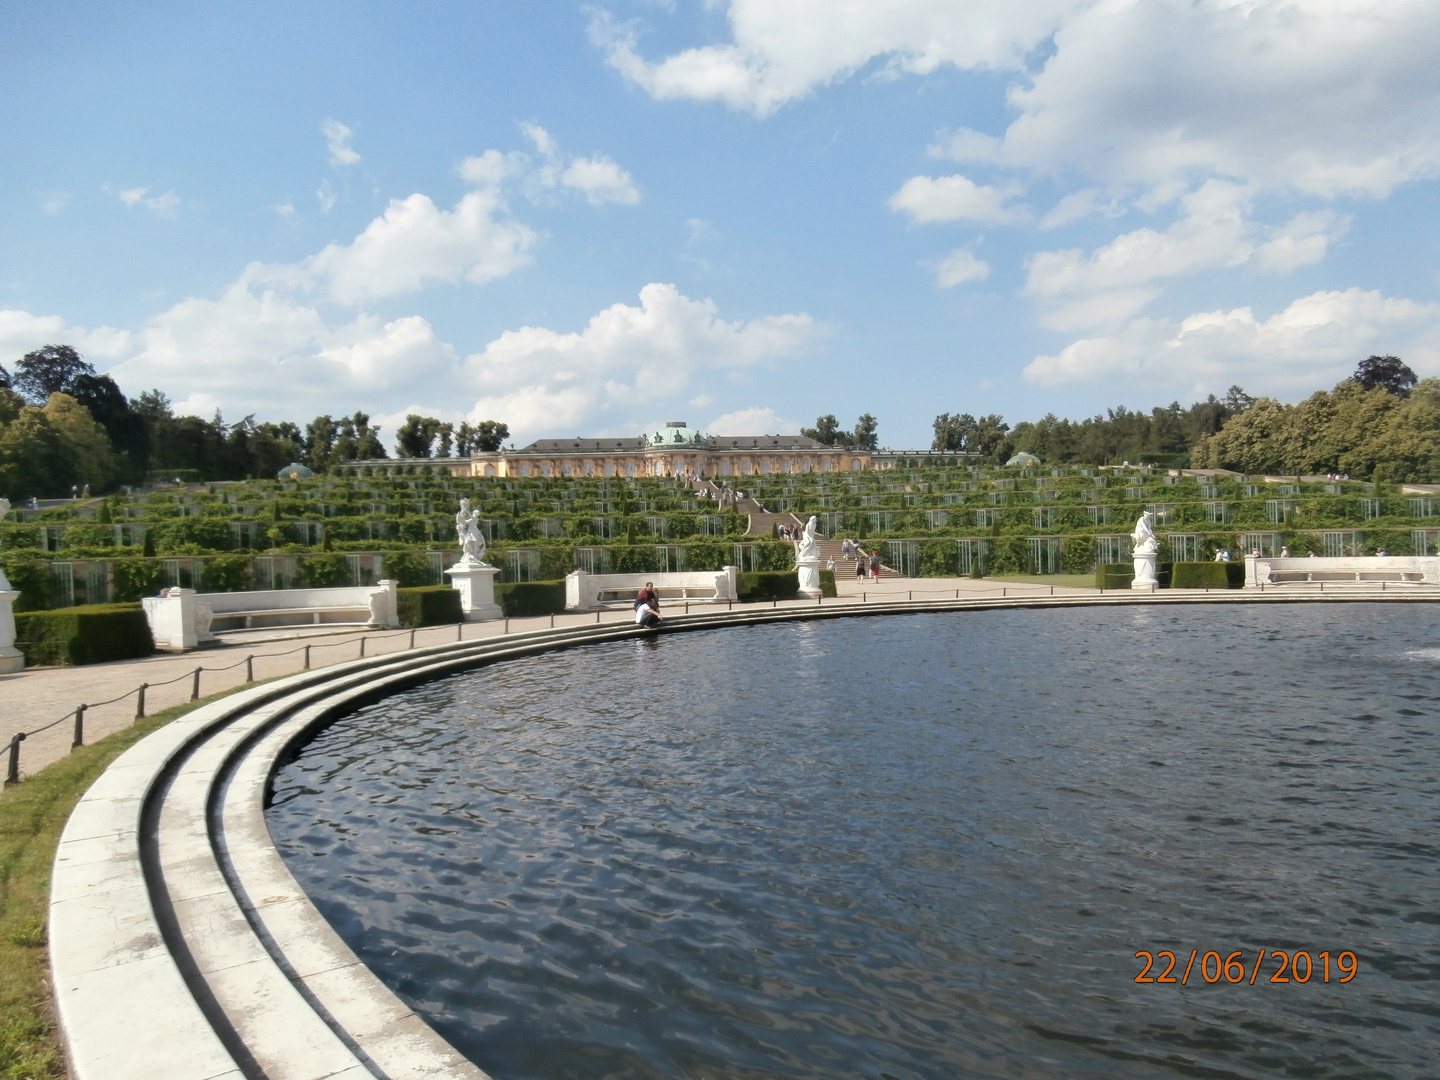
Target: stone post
1145, 579
476, 584
809, 573
172, 619
11, 658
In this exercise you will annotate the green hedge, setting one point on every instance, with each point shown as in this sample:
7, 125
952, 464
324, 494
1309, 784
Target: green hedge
771, 585
1120, 575
1115, 575
827, 583
430, 605
1209, 575
520, 599
91, 634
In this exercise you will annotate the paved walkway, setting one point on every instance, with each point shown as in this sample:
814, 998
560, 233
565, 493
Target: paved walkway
40, 696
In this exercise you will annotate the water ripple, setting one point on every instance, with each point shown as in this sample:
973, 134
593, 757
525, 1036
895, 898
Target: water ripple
912, 847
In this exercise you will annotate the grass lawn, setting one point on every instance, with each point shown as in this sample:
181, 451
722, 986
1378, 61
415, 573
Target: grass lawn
1077, 581
32, 816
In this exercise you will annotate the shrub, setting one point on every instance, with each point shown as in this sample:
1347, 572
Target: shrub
770, 585
325, 571
429, 605
91, 634
133, 578
827, 583
31, 579
519, 599
227, 573
410, 568
1209, 575
1114, 575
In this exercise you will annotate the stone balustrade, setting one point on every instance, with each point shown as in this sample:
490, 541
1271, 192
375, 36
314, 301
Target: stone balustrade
1352, 570
593, 592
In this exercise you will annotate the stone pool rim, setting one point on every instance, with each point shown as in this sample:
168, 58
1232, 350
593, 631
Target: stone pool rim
181, 947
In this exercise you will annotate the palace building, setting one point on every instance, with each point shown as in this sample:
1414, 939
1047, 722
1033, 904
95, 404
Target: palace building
675, 450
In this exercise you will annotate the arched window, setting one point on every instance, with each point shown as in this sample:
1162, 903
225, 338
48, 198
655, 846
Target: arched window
546, 470
827, 465
724, 466
609, 468
855, 464
630, 470
765, 465
489, 470
567, 469
525, 469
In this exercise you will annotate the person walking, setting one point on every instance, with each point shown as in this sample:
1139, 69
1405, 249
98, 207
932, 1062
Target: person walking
875, 563
860, 564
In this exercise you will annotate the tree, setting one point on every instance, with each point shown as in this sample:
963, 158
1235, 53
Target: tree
447, 437
415, 436
1237, 401
1388, 373
865, 428
34, 460
827, 432
4, 378
128, 429
49, 370
490, 435
320, 435
87, 443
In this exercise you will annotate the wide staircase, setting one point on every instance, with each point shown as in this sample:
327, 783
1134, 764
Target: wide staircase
845, 566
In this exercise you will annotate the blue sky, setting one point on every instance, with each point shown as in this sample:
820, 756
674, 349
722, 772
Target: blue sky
589, 219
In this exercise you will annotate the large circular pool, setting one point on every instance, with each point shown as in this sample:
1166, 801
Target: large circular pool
924, 846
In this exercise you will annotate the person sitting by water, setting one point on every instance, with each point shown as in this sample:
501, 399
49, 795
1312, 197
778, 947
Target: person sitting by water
646, 616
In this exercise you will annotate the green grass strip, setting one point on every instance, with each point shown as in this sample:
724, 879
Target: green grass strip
32, 816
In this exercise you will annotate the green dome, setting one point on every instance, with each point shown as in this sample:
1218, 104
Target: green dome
1024, 460
676, 433
294, 471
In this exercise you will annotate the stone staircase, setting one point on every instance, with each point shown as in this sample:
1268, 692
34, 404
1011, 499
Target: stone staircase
845, 567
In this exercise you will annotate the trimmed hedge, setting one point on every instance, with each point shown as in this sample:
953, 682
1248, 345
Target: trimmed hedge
520, 599
1120, 575
1115, 575
1209, 575
430, 605
91, 634
827, 583
771, 585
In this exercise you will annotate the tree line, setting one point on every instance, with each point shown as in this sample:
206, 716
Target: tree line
64, 428
1381, 423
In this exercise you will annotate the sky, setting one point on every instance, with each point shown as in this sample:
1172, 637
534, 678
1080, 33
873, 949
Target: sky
589, 219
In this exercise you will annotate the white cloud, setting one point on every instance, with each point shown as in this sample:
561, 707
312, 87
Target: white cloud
601, 180
1311, 95
52, 202
959, 267
540, 379
21, 332
412, 245
1317, 339
783, 49
492, 168
1084, 203
325, 195
752, 421
1320, 96
337, 142
929, 199
164, 205
1117, 280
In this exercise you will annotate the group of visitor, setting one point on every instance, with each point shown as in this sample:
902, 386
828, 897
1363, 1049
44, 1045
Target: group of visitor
789, 532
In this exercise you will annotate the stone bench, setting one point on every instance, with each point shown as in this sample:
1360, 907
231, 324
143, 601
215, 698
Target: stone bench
184, 619
1353, 570
594, 592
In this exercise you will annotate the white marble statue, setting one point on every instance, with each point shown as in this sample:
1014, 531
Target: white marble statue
467, 530
1144, 536
808, 546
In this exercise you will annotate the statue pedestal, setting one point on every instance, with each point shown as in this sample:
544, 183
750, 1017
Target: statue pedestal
476, 584
809, 572
1145, 579
11, 658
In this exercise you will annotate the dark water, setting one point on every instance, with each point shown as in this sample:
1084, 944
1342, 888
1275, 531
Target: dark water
905, 847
